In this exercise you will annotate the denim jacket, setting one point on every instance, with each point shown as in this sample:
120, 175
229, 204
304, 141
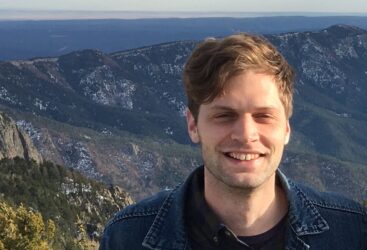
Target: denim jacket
316, 220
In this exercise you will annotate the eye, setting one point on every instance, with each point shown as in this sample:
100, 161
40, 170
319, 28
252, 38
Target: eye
225, 116
264, 117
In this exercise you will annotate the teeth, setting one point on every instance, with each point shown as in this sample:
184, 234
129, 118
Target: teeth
244, 157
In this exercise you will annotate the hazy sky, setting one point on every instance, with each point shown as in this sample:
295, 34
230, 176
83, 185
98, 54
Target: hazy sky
351, 6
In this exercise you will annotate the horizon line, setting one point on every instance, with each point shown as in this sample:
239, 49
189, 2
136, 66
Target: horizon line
24, 14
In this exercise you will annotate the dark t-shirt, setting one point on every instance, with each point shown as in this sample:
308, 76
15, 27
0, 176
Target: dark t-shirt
206, 232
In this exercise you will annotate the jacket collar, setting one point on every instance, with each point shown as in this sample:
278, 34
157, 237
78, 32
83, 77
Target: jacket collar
168, 229
303, 217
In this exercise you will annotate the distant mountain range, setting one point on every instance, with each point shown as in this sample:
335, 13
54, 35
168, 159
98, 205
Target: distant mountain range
40, 38
119, 117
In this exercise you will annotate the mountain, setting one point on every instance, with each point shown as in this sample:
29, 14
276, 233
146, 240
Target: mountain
140, 164
58, 193
119, 117
330, 101
38, 38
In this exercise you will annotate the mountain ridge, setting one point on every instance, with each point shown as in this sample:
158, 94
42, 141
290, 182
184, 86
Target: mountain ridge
140, 92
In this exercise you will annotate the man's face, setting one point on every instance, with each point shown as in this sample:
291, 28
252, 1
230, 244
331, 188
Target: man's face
242, 132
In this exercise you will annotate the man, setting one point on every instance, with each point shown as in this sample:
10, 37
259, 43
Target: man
239, 93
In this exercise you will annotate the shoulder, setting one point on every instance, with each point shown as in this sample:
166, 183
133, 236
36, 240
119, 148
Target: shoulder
336, 216
343, 216
330, 201
144, 208
129, 226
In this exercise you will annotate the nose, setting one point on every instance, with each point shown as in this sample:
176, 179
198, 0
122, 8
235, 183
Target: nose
245, 130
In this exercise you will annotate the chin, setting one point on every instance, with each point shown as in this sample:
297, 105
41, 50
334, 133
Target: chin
248, 181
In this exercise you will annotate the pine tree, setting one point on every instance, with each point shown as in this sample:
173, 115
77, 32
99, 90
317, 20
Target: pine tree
22, 228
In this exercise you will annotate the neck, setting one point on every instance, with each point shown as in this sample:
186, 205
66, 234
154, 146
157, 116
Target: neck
246, 212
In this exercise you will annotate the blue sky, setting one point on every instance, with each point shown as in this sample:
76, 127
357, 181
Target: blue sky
351, 6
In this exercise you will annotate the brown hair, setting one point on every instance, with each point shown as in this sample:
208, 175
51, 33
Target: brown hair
214, 61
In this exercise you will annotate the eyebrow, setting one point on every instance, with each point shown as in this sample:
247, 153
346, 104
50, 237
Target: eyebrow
221, 107
260, 108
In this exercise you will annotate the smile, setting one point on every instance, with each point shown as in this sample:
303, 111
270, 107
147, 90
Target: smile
244, 156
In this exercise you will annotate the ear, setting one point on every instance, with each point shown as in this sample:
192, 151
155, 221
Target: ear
287, 133
192, 127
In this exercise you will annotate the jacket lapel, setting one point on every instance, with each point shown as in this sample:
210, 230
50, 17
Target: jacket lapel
303, 217
168, 229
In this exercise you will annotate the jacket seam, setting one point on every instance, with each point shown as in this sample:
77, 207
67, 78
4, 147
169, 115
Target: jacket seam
132, 215
338, 207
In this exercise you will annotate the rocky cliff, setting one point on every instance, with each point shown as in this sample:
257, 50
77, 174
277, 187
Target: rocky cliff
15, 142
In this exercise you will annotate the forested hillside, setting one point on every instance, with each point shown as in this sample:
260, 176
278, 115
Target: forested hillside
76, 207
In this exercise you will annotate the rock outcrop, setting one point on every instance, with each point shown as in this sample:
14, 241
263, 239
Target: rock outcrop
14, 142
